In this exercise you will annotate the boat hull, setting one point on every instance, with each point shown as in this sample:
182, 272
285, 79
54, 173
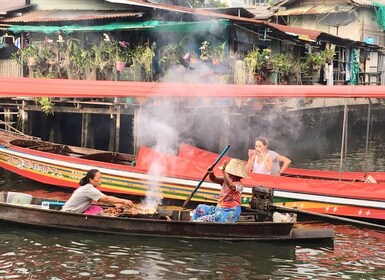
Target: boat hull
321, 196
239, 231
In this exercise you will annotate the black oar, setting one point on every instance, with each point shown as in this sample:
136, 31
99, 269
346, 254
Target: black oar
204, 177
330, 217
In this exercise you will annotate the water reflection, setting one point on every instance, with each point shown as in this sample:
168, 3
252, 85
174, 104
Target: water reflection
27, 253
354, 160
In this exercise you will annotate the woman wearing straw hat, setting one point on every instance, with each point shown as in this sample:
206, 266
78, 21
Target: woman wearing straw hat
228, 208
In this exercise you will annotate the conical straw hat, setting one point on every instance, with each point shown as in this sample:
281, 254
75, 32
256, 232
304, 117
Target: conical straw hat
236, 167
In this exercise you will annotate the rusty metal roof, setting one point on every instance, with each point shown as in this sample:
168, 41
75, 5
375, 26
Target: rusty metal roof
315, 10
14, 5
69, 15
262, 12
303, 34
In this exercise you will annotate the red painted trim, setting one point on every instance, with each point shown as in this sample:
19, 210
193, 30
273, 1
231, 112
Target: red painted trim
14, 87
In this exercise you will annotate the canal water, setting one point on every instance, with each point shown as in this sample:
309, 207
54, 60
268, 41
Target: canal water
31, 253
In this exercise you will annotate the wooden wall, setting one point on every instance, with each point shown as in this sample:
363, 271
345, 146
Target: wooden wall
9, 68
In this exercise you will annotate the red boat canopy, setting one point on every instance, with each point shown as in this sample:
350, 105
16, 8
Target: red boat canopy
170, 165
16, 87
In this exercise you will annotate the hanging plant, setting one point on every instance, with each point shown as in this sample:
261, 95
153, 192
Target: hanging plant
328, 55
142, 56
172, 54
217, 53
46, 105
315, 61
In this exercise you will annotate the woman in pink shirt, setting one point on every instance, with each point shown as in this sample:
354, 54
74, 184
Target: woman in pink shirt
228, 208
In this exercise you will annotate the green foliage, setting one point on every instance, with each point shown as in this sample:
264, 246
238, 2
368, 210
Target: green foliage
172, 54
217, 52
46, 105
207, 4
314, 61
328, 55
22, 56
143, 56
256, 62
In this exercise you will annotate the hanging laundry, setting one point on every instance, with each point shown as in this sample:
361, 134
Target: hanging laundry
18, 42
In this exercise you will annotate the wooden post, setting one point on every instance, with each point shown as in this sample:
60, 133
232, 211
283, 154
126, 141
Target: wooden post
117, 129
111, 141
85, 125
136, 129
7, 118
24, 118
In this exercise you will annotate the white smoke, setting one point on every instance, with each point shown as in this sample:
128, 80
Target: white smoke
156, 128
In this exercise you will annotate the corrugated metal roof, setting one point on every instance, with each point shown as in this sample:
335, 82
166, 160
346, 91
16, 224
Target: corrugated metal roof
315, 10
304, 34
6, 6
367, 2
69, 15
287, 3
234, 11
262, 12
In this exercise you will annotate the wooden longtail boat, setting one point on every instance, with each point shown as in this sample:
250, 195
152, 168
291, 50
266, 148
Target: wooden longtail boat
64, 166
177, 225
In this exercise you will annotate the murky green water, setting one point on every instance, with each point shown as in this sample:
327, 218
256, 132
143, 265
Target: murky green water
27, 253
33, 253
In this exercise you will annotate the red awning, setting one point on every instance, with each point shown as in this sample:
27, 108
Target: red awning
16, 87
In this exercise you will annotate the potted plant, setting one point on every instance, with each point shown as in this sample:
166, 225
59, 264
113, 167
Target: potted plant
217, 53
328, 55
204, 49
172, 54
142, 58
193, 58
315, 61
27, 56
257, 64
122, 55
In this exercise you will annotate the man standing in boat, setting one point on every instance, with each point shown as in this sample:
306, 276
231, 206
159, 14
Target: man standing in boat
264, 161
228, 208
81, 199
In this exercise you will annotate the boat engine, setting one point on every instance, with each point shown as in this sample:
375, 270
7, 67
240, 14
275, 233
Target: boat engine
262, 201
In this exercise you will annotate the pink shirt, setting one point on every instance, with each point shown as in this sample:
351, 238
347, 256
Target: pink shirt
229, 198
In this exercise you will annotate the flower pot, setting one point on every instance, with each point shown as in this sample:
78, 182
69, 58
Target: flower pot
215, 61
193, 60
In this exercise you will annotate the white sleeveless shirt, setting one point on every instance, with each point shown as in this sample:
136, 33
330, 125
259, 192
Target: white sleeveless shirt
260, 168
